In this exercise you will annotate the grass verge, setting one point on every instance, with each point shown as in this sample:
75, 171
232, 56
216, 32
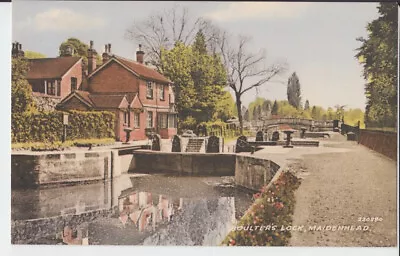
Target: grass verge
58, 145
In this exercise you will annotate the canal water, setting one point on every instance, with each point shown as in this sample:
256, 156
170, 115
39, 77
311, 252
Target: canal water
133, 209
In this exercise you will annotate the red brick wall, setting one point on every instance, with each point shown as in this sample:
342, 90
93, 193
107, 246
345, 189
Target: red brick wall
379, 141
156, 99
75, 71
113, 78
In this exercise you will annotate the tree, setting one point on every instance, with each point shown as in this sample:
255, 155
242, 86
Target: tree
246, 115
225, 108
79, 49
266, 108
21, 92
314, 113
243, 66
162, 30
275, 107
34, 55
379, 57
293, 91
199, 80
307, 105
340, 112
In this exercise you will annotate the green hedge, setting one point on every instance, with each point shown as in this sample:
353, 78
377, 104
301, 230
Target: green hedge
48, 126
218, 128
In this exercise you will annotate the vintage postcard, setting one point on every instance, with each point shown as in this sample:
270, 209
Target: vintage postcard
204, 123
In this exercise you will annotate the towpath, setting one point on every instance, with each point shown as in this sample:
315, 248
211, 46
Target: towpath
343, 184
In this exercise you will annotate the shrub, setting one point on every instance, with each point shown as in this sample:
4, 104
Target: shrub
273, 207
48, 126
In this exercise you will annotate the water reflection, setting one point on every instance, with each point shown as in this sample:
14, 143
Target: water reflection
133, 210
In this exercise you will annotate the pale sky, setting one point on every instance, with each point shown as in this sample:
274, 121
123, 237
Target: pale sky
317, 40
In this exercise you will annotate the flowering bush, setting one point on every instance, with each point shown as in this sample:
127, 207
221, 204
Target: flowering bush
273, 209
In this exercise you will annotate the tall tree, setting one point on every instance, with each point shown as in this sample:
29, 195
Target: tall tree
246, 115
243, 66
314, 114
162, 30
378, 55
199, 80
307, 105
266, 108
275, 108
259, 112
293, 91
21, 92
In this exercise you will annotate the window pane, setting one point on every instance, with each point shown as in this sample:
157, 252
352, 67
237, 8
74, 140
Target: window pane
137, 120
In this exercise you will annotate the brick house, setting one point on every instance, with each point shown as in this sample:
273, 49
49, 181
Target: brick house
139, 96
52, 79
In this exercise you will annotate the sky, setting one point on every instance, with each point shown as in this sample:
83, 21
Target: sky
316, 40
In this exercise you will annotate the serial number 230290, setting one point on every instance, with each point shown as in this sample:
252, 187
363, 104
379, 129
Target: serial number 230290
370, 219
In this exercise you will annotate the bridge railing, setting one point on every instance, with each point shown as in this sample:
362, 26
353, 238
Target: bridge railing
294, 122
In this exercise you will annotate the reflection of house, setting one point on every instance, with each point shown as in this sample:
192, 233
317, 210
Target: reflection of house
138, 208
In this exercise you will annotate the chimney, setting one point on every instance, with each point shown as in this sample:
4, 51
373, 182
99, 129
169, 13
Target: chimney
17, 50
107, 53
140, 55
92, 60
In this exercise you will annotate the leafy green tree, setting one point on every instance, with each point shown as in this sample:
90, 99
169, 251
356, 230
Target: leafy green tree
307, 105
178, 69
21, 91
293, 91
225, 108
34, 55
314, 112
378, 55
274, 110
199, 80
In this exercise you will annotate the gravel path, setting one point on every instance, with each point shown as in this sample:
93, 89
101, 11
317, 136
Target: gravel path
339, 188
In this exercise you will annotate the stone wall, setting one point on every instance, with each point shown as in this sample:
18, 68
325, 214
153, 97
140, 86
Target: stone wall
185, 163
34, 168
254, 173
32, 231
382, 142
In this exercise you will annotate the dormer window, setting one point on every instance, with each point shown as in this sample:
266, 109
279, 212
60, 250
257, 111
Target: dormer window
149, 91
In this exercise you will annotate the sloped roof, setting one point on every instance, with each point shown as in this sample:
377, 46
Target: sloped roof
108, 101
98, 100
50, 67
142, 69
138, 69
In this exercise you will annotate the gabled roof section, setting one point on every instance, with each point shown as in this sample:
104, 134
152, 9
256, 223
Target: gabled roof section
83, 96
50, 68
140, 70
136, 103
109, 101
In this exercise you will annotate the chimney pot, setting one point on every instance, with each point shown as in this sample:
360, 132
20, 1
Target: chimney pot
91, 44
109, 48
140, 55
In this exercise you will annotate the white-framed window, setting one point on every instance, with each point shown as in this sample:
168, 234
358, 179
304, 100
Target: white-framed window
163, 119
51, 88
162, 92
136, 121
172, 121
149, 119
149, 90
126, 118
